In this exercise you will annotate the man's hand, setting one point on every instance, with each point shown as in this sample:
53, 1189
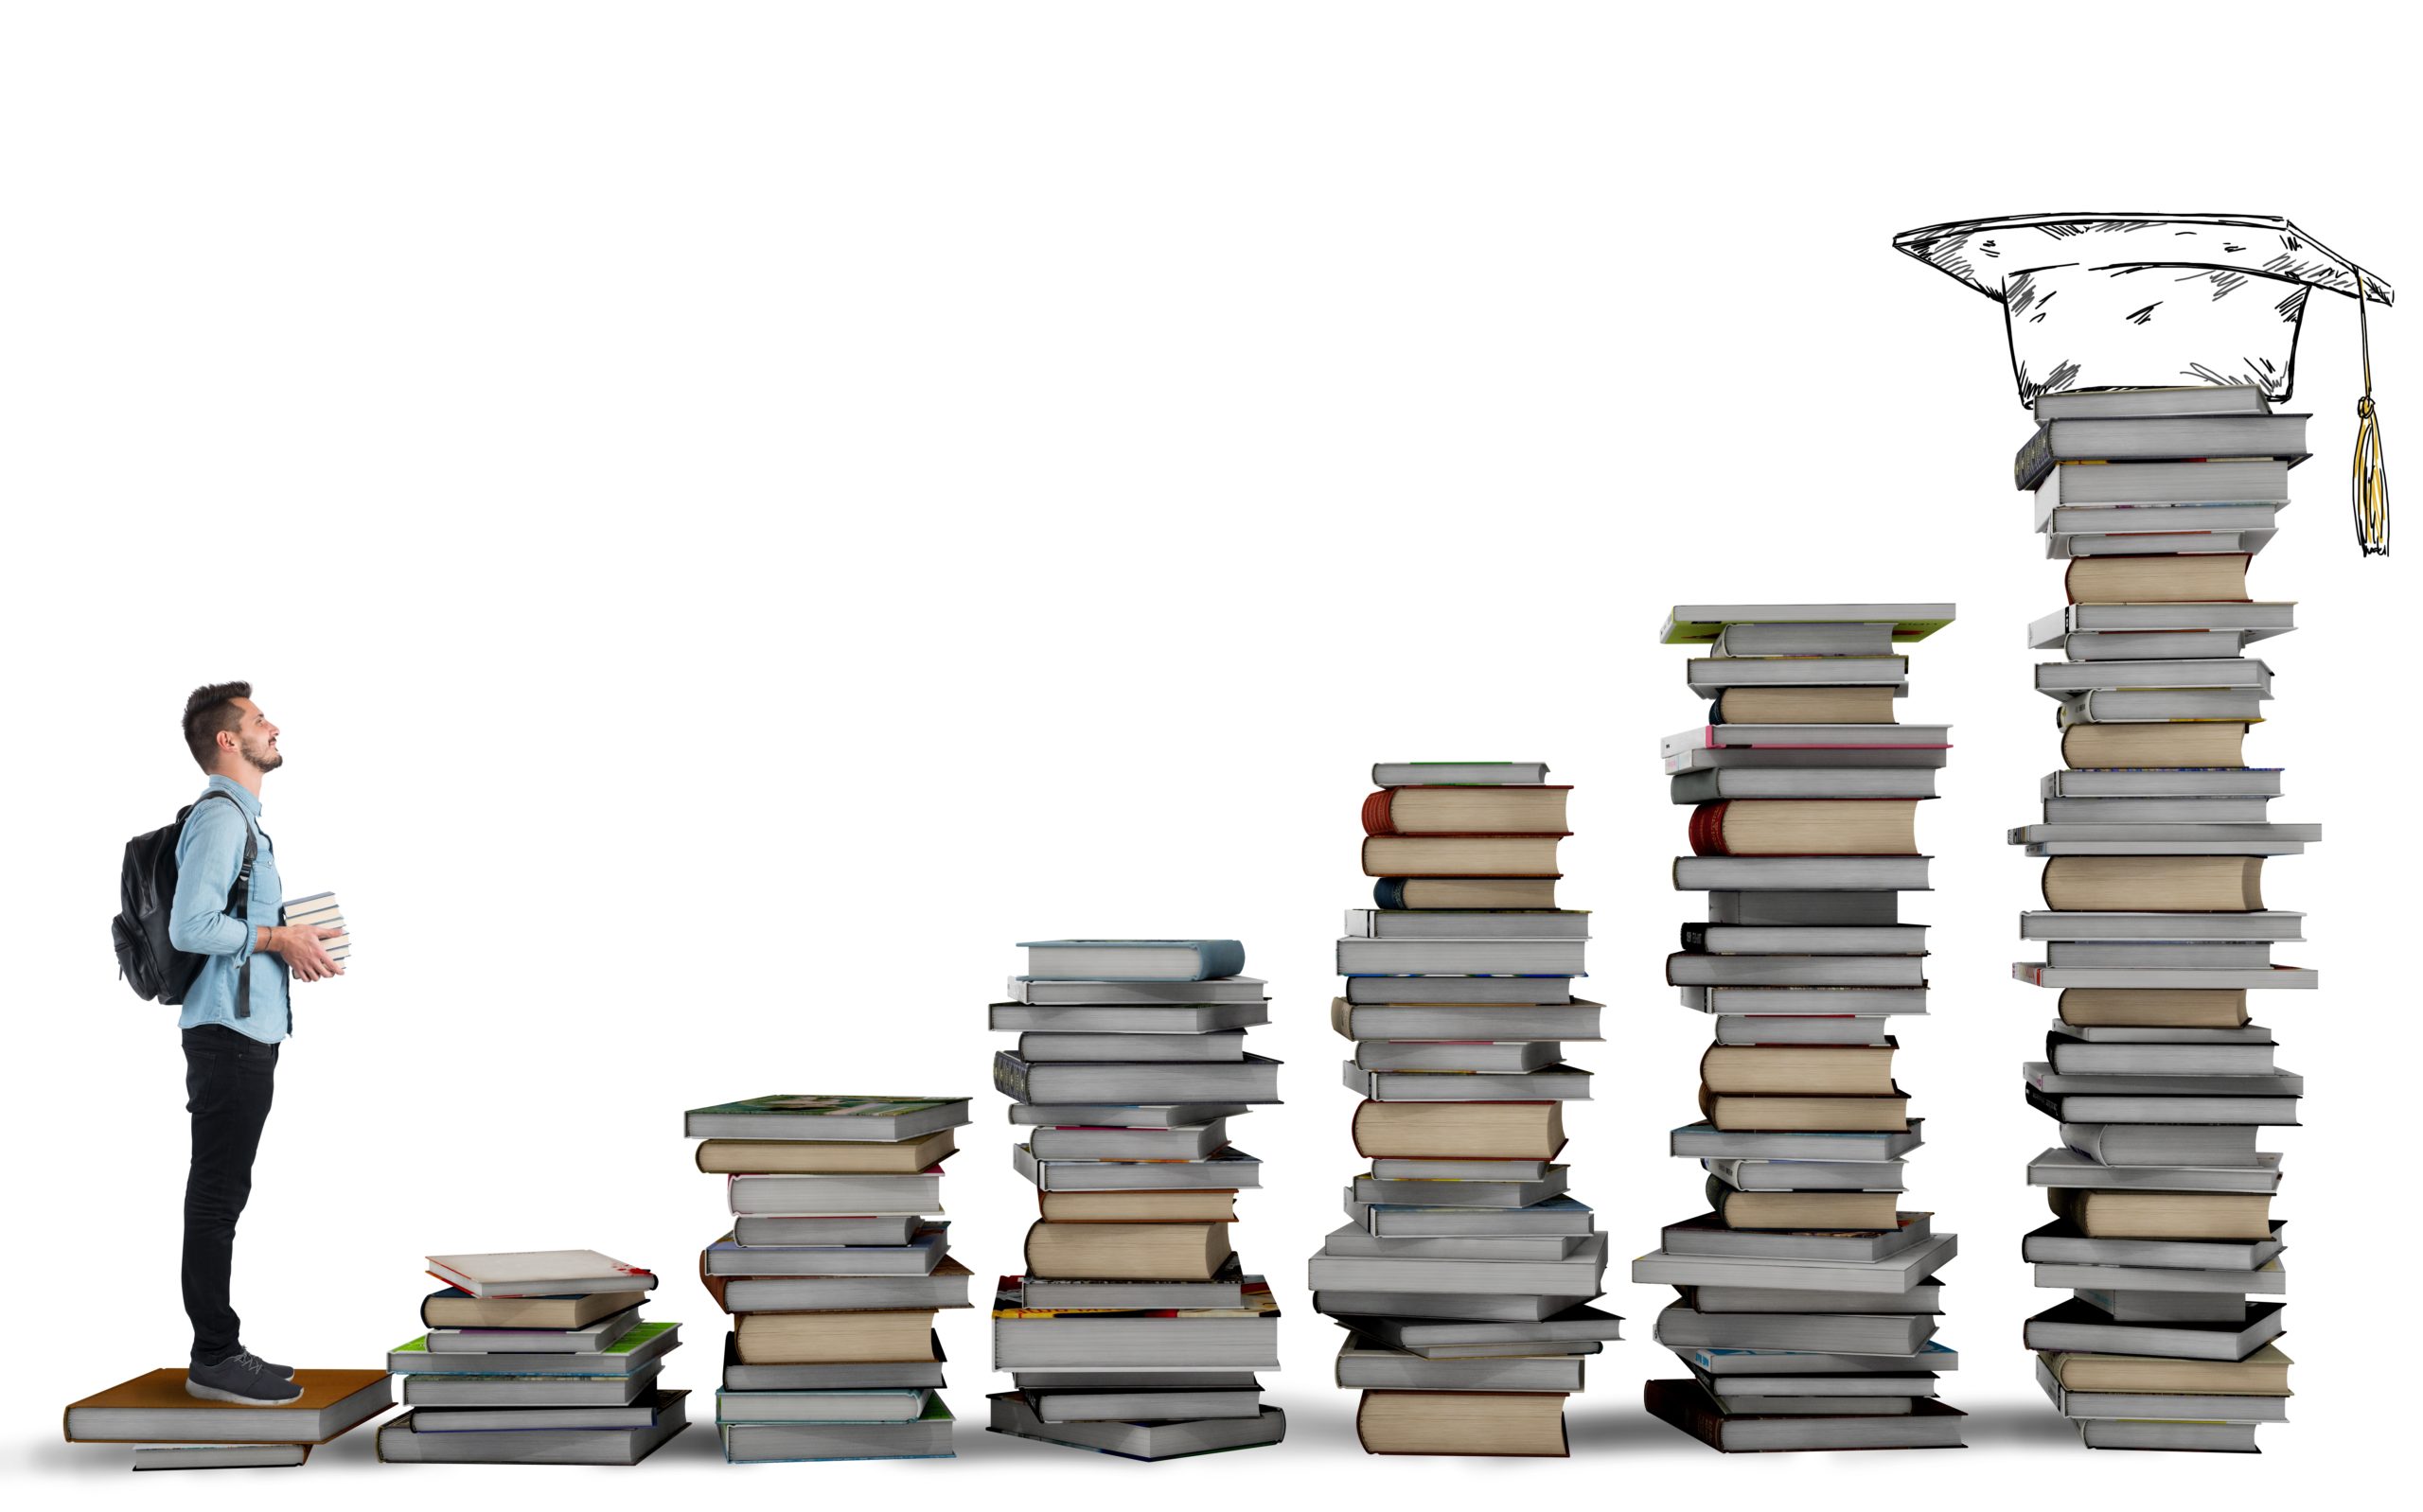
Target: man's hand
304, 958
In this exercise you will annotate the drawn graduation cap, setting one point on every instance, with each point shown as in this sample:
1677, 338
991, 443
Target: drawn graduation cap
2106, 300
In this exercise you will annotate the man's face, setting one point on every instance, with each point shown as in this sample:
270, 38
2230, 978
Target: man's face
257, 738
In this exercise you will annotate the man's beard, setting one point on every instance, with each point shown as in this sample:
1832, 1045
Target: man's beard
263, 760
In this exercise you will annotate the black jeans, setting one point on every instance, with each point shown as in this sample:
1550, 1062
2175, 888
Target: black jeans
228, 1080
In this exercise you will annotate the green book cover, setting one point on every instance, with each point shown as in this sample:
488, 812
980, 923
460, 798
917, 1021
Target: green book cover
628, 1342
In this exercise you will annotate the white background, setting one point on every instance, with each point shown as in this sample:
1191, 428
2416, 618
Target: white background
745, 512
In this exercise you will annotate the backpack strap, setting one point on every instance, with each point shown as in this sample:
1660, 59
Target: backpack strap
239, 903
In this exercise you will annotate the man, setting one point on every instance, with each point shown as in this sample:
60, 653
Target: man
235, 1016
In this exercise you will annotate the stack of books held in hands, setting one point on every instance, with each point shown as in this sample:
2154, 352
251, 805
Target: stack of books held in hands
833, 1271
1134, 1330
1809, 1295
533, 1357
320, 911
1464, 1275
2154, 835
168, 1429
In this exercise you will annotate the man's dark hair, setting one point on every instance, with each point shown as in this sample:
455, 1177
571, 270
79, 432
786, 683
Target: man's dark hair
209, 709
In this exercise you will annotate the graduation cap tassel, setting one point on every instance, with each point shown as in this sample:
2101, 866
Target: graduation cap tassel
2369, 484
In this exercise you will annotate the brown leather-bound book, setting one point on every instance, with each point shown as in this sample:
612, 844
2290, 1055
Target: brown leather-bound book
2155, 883
1466, 811
890, 1337
2163, 1215
1127, 1252
2264, 1373
154, 1408
2198, 1008
1218, 1206
1840, 826
824, 1157
2182, 579
2197, 743
1461, 855
1793, 1070
1460, 1131
1832, 1212
1733, 1111
1805, 706
1462, 1422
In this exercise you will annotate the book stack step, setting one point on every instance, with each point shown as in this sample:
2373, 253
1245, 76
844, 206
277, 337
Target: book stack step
1466, 1271
1135, 1330
167, 1429
2154, 837
1808, 1295
834, 1269
533, 1357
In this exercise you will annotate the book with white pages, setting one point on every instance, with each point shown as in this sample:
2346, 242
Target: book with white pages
2064, 1166
2060, 1243
1807, 1175
1127, 1018
2266, 978
2269, 1279
1705, 1141
2070, 545
1467, 924
2252, 619
2132, 646
1717, 783
2260, 923
2058, 679
536, 1341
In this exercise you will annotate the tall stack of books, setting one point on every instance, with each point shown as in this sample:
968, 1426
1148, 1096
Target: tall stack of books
832, 1272
533, 1357
167, 1429
1465, 1271
2154, 835
1809, 1297
1134, 1330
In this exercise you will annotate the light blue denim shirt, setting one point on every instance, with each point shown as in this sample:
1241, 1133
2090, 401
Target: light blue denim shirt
210, 851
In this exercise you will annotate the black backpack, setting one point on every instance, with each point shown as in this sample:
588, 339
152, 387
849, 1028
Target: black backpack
147, 888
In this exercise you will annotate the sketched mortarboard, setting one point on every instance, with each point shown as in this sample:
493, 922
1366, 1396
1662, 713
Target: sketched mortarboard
2144, 300
2110, 300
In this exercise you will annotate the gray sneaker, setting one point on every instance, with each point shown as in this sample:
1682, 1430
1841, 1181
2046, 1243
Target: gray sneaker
242, 1378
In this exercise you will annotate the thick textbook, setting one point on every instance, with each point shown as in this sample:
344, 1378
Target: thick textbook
1028, 1338
1929, 1424
407, 1441
155, 1406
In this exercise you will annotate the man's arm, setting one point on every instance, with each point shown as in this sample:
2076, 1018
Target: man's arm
210, 852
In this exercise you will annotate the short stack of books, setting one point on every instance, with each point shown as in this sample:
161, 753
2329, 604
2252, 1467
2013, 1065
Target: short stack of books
1135, 1330
1465, 1271
833, 1271
2155, 928
533, 1357
319, 910
167, 1429
1809, 1297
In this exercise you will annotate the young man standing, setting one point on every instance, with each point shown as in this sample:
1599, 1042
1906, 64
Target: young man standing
235, 1016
